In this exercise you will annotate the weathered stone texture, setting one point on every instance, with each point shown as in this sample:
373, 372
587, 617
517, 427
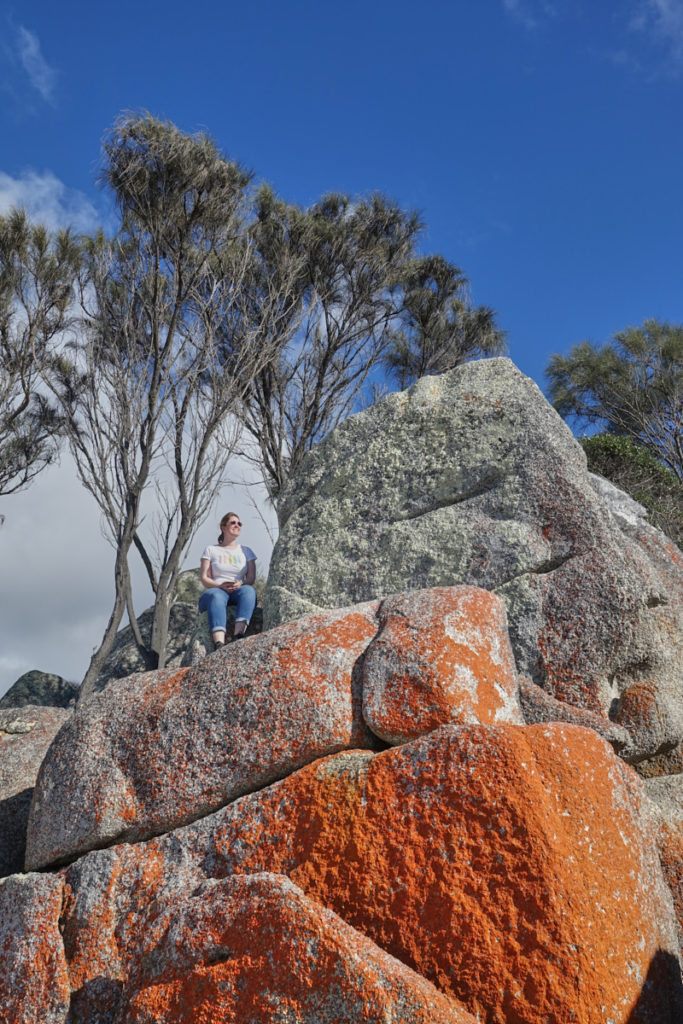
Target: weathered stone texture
26, 732
539, 706
257, 949
157, 750
34, 979
471, 478
513, 867
441, 655
666, 796
502, 863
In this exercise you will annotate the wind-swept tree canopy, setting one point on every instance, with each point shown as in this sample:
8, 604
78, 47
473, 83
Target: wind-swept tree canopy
175, 310
37, 274
439, 329
632, 386
213, 306
364, 300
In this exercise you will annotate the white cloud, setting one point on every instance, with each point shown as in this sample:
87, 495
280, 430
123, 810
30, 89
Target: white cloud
521, 12
529, 12
42, 77
56, 584
48, 200
662, 21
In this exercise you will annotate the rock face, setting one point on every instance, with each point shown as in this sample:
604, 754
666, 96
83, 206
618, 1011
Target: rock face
40, 689
160, 749
485, 859
34, 979
157, 750
666, 796
502, 864
412, 809
25, 735
440, 656
471, 478
244, 948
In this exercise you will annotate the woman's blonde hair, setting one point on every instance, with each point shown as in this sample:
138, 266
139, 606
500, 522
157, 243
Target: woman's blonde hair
224, 520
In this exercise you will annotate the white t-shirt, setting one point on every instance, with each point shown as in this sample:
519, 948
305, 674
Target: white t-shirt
228, 565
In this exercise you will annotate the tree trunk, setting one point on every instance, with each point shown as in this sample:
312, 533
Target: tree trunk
162, 613
121, 585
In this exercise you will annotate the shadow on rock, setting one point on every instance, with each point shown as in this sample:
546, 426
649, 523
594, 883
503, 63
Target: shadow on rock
664, 975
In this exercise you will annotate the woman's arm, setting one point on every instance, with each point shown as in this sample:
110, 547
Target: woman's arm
251, 572
207, 578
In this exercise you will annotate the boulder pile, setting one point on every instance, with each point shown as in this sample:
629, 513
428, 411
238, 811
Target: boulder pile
471, 478
390, 806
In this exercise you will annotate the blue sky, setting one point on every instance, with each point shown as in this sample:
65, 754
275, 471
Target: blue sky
541, 142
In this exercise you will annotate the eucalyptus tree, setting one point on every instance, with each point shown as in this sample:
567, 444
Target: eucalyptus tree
167, 349
38, 271
631, 386
349, 257
438, 329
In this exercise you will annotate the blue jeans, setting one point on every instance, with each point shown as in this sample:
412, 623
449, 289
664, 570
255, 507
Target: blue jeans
215, 601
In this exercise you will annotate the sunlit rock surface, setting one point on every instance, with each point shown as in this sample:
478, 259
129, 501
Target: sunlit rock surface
256, 948
512, 867
472, 478
440, 656
157, 750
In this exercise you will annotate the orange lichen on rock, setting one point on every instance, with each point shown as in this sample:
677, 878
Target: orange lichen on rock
502, 863
34, 981
670, 843
255, 948
441, 655
162, 749
666, 808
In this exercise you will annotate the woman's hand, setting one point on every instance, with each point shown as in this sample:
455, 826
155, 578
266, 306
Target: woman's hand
231, 585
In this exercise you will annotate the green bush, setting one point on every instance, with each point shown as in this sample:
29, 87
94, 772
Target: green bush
632, 468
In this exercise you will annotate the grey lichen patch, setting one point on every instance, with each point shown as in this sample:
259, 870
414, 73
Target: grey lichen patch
472, 478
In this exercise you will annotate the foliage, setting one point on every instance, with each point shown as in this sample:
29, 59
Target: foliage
439, 328
363, 299
635, 470
632, 386
171, 336
212, 307
37, 275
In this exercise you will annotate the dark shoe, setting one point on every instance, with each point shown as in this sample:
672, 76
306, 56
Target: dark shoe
217, 644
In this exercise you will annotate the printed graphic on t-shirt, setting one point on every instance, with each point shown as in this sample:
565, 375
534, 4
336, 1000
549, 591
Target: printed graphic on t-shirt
230, 558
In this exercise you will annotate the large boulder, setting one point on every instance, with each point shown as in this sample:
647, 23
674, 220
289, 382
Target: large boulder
513, 867
472, 478
441, 655
246, 948
40, 689
25, 735
157, 750
503, 863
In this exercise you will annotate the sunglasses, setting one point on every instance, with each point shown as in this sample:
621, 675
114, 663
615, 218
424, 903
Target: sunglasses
234, 522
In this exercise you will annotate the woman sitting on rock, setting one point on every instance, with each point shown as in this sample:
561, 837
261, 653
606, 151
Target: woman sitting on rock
228, 572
